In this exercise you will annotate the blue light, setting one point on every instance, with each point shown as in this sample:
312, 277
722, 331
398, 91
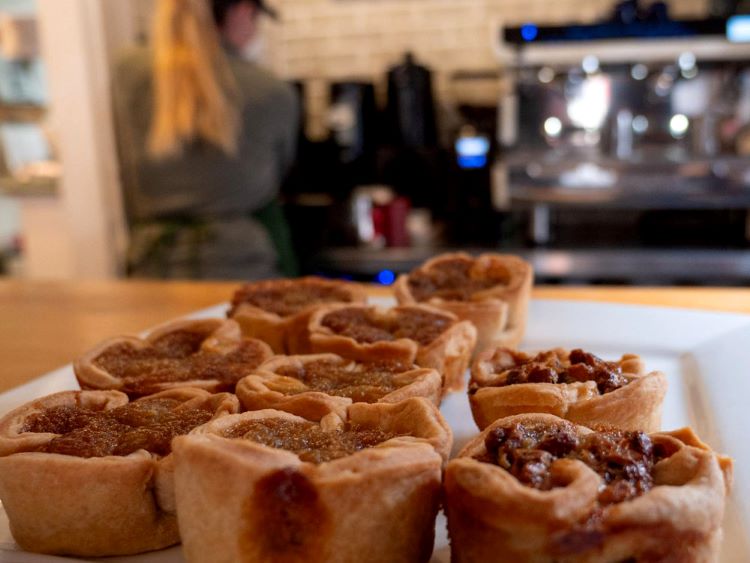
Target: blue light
738, 29
385, 277
473, 146
472, 162
472, 151
529, 31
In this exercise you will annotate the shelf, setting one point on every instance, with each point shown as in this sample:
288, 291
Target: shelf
649, 266
23, 113
38, 187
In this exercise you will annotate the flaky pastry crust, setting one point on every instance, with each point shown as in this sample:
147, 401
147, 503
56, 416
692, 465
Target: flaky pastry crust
500, 312
288, 334
222, 337
635, 406
241, 501
267, 389
449, 353
97, 506
494, 517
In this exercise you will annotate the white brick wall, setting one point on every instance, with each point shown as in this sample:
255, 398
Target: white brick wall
322, 40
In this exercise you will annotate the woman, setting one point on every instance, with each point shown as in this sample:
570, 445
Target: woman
206, 139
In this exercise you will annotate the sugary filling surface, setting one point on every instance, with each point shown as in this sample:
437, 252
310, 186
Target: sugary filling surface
290, 298
363, 382
364, 326
177, 356
307, 439
454, 280
549, 367
148, 424
624, 460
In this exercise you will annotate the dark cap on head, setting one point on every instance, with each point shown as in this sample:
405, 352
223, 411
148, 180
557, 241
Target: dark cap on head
220, 8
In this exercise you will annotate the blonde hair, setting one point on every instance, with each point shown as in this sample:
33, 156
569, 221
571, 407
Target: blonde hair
194, 90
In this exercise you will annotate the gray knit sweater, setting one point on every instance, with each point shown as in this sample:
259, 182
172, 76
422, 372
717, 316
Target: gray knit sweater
203, 183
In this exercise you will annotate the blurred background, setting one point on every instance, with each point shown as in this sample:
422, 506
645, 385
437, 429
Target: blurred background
606, 142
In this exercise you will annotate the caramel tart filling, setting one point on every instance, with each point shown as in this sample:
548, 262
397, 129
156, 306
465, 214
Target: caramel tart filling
365, 327
307, 439
547, 367
362, 382
289, 299
451, 280
146, 424
623, 459
177, 356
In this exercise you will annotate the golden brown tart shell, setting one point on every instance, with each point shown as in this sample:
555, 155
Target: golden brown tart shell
288, 333
449, 353
219, 338
636, 406
267, 389
499, 312
494, 517
239, 501
90, 507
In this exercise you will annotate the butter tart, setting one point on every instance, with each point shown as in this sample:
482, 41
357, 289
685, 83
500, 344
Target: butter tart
272, 486
492, 291
88, 473
278, 311
575, 385
209, 354
416, 334
314, 385
536, 488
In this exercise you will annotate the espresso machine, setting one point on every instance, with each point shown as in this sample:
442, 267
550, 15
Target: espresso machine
629, 138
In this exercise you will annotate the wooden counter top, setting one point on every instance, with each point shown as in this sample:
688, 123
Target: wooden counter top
44, 325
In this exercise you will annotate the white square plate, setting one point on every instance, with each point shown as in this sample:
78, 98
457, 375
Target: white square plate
705, 355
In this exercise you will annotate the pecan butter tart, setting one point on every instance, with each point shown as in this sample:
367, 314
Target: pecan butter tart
539, 488
278, 311
88, 473
210, 354
272, 486
314, 385
416, 334
575, 385
492, 291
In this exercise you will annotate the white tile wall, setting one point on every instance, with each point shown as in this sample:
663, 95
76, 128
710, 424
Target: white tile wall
320, 40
